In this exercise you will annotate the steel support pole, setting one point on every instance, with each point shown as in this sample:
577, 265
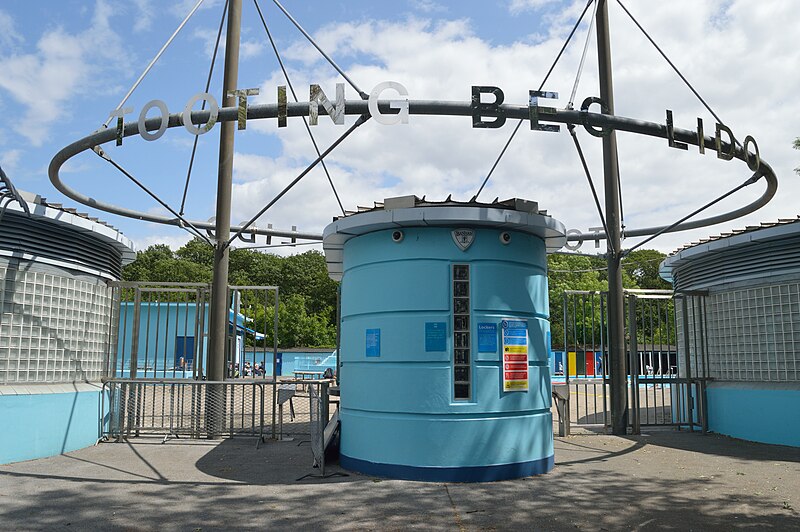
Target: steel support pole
616, 318
219, 289
634, 360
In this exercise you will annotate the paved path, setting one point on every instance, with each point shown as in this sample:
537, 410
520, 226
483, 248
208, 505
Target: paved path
665, 480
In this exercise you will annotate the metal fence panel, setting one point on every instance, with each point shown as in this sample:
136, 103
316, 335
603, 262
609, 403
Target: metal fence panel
210, 409
665, 380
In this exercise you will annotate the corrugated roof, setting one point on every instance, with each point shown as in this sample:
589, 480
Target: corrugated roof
515, 204
734, 232
37, 199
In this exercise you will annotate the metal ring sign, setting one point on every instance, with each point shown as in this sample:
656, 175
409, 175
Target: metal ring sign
492, 115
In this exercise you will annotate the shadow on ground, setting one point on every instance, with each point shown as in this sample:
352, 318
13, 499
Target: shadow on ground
661, 481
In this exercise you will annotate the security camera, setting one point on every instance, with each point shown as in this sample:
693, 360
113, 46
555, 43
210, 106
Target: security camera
505, 237
397, 236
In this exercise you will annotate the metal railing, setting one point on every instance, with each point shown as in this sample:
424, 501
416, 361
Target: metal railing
179, 407
658, 393
211, 409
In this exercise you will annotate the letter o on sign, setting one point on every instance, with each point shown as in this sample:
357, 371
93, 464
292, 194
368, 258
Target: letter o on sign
213, 108
577, 246
162, 107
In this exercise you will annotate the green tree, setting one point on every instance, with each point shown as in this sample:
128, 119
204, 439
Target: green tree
307, 312
306, 274
159, 264
573, 272
796, 146
296, 327
641, 269
197, 251
141, 269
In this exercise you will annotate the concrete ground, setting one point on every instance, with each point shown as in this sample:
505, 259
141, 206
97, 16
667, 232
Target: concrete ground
661, 480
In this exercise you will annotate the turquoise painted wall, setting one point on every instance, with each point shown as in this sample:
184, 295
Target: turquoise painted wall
755, 413
160, 327
398, 408
41, 425
294, 361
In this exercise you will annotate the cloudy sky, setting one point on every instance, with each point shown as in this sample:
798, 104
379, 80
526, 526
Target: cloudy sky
66, 64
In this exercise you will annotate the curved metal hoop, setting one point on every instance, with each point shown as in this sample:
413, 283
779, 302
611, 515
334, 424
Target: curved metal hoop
417, 107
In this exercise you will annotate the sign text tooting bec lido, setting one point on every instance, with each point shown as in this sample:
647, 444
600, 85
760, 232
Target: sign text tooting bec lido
492, 111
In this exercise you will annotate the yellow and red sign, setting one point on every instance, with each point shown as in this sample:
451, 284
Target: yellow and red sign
515, 355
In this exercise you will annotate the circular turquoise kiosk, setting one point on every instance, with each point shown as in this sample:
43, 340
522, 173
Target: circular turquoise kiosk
444, 338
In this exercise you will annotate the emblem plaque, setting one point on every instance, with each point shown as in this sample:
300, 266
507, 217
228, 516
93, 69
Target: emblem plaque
463, 238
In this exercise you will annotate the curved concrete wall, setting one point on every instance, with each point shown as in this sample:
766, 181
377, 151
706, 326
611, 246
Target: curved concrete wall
40, 421
55, 327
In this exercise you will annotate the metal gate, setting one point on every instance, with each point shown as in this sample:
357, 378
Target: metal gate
156, 370
663, 387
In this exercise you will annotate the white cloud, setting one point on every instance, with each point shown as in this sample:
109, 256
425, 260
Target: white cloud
42, 82
9, 159
519, 6
62, 66
428, 6
144, 15
174, 241
720, 48
182, 8
250, 49
9, 36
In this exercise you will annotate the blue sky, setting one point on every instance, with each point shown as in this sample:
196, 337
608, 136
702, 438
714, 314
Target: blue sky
64, 65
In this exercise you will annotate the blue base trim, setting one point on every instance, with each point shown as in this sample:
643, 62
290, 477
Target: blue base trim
450, 474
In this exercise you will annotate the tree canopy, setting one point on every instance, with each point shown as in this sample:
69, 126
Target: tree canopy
578, 272
307, 312
796, 146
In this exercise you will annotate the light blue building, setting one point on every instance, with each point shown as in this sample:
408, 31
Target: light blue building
738, 320
173, 341
444, 339
55, 325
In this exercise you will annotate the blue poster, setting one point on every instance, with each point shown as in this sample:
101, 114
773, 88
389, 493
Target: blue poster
514, 327
435, 336
373, 342
487, 338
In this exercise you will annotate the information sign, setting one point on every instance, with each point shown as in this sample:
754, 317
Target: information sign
435, 336
487, 337
373, 342
515, 355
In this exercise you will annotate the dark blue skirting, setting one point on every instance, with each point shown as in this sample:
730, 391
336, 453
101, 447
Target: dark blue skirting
449, 474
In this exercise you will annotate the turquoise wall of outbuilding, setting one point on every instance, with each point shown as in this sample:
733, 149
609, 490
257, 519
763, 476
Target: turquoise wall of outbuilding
37, 425
398, 413
755, 412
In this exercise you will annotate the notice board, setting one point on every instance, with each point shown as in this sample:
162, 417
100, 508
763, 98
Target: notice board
515, 355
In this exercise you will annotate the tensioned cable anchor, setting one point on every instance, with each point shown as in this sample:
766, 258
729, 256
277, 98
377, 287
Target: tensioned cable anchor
754, 178
571, 128
583, 58
184, 222
667, 59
